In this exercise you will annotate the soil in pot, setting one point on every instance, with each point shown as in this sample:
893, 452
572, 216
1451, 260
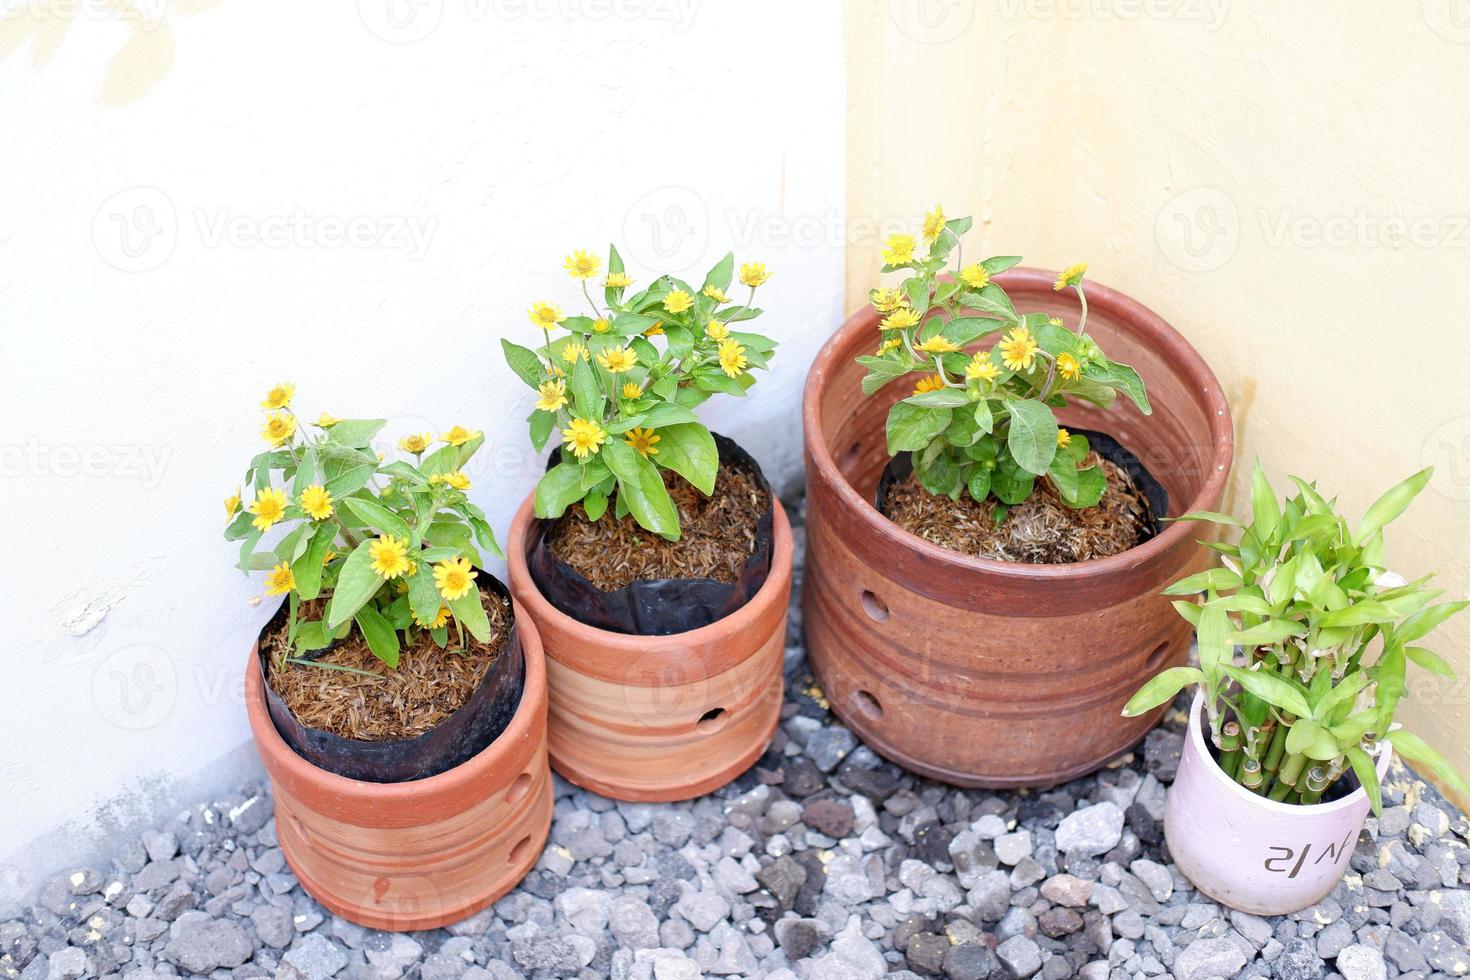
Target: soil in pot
1041, 529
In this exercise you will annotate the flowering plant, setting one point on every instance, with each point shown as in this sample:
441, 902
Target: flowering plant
623, 404
1326, 631
390, 547
980, 419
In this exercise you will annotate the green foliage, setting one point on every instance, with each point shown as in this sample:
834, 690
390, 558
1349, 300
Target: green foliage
1324, 630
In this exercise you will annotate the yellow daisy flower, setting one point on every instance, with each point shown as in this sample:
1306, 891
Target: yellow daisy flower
892, 343
631, 391
1068, 367
440, 618
754, 274
618, 360
617, 280
899, 249
932, 382
900, 319
1055, 321
584, 437
390, 556
232, 504
657, 330
582, 265
416, 443
1018, 350
717, 330
329, 557
280, 580
716, 293
545, 315
269, 506
326, 421
732, 358
553, 396
454, 578
458, 480
1070, 276
933, 223
278, 429
601, 325
886, 300
1064, 438
644, 441
975, 276
938, 344
317, 502
459, 435
572, 353
678, 301
280, 396
981, 368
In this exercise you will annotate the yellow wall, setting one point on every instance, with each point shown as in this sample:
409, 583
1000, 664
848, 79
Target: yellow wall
1286, 185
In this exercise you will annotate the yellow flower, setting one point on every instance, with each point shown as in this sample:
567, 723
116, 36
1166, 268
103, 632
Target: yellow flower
553, 396
329, 557
1064, 438
268, 507
1055, 321
326, 421
717, 330
975, 276
1018, 350
601, 325
440, 618
678, 301
933, 223
1068, 367
545, 315
938, 344
899, 249
416, 443
618, 359
732, 358
280, 580
900, 319
657, 330
886, 300
317, 502
716, 293
582, 265
279, 396
1070, 276
454, 577
390, 556
458, 480
556, 371
572, 353
459, 435
981, 368
754, 274
643, 440
617, 280
232, 504
892, 343
278, 429
932, 382
631, 391
583, 437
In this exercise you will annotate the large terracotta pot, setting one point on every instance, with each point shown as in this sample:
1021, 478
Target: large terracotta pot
659, 718
423, 853
991, 673
1251, 853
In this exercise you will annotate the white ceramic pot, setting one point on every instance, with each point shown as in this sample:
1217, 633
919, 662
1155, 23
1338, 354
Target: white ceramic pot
1251, 853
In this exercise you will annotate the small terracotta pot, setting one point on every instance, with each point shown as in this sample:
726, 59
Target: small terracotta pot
1251, 853
660, 718
423, 853
992, 673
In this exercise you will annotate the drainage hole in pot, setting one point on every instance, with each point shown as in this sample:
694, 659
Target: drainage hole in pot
1156, 658
875, 607
867, 705
849, 459
521, 851
712, 721
518, 789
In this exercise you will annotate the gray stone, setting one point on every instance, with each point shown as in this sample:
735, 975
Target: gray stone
1068, 890
1020, 956
200, 944
633, 923
1454, 914
1207, 958
585, 909
1155, 877
991, 896
924, 953
1299, 961
702, 909
273, 926
1359, 962
67, 964
1092, 830
561, 955
798, 937
827, 747
968, 961
316, 957
160, 845
1012, 847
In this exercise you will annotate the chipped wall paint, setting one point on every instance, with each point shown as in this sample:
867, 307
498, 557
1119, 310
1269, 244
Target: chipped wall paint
155, 278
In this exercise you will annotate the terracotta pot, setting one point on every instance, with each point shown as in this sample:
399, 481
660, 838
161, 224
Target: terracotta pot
1251, 853
659, 718
423, 853
992, 673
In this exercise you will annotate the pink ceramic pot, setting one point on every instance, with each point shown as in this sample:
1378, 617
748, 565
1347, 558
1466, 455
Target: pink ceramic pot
1251, 853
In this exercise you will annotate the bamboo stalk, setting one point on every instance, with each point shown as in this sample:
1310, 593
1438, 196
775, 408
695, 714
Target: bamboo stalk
1230, 748
1291, 769
1316, 782
1251, 776
1277, 751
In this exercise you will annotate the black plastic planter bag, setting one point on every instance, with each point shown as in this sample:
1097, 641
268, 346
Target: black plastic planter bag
657, 607
454, 740
900, 466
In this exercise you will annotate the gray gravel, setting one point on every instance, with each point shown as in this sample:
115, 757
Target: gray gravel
821, 863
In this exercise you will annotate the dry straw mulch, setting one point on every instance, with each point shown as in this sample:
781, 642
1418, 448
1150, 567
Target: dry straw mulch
428, 685
717, 535
1040, 530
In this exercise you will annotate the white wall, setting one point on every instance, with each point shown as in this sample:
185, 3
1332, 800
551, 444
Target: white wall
145, 305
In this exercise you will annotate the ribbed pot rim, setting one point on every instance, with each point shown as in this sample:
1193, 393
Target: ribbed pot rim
1142, 321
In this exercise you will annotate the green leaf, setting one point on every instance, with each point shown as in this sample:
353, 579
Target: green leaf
558, 489
1425, 621
542, 425
524, 362
356, 584
942, 398
1431, 662
307, 570
1367, 774
1033, 434
997, 264
310, 635
1124, 378
667, 413
1270, 687
1210, 578
1265, 513
1161, 689
355, 432
586, 394
1269, 632
689, 450
1345, 692
595, 504
1213, 638
719, 277
1393, 503
1359, 614
470, 612
382, 638
881, 371
1413, 747
350, 481
423, 597
377, 516
1189, 611
642, 489
912, 427
979, 484
965, 330
1306, 737
1210, 516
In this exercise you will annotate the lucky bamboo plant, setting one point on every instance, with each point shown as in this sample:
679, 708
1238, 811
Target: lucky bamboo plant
1326, 632
623, 406
980, 419
389, 547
